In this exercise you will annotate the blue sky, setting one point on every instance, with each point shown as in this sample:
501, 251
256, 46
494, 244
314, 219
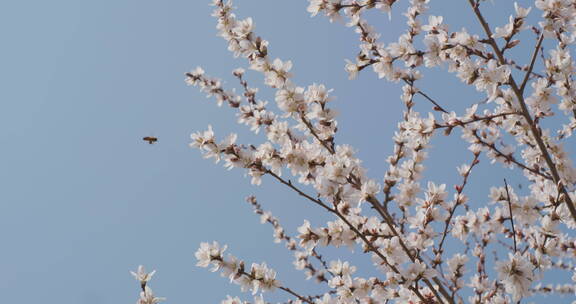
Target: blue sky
84, 199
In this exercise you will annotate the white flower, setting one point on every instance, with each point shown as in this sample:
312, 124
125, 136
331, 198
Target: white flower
317, 93
210, 253
369, 188
143, 276
326, 299
434, 24
383, 66
278, 73
147, 297
308, 238
416, 271
436, 194
243, 28
341, 268
505, 31
231, 300
199, 139
263, 278
316, 6
352, 69
393, 252
520, 11
491, 77
291, 98
516, 275
456, 262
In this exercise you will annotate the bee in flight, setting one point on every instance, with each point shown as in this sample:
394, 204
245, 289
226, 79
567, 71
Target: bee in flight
150, 139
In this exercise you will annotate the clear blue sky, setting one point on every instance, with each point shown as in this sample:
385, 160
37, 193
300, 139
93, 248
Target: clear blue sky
83, 199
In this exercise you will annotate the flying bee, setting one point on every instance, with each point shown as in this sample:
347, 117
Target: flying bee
150, 139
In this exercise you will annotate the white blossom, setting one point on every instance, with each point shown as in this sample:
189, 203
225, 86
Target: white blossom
148, 297
516, 275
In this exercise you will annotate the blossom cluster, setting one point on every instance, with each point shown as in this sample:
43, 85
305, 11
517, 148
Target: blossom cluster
502, 249
259, 277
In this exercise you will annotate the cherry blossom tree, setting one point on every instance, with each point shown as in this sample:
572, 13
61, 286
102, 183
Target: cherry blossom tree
525, 123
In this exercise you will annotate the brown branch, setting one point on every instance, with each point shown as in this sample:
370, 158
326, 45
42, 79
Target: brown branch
476, 119
326, 144
437, 106
509, 158
301, 298
300, 192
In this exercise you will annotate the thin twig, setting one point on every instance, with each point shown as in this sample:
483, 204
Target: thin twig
289, 240
301, 298
476, 119
437, 106
532, 61
509, 157
300, 192
459, 189
511, 217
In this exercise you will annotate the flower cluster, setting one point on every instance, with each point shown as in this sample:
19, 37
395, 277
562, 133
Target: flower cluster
259, 277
